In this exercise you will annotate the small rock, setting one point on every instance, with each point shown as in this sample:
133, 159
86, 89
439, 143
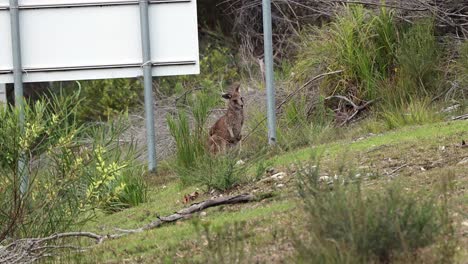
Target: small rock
240, 163
423, 169
280, 185
441, 148
270, 171
324, 179
278, 176
164, 187
465, 223
358, 175
203, 214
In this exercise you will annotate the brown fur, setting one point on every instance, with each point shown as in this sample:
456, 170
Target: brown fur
226, 132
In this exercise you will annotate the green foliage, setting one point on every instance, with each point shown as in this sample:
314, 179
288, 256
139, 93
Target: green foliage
371, 48
187, 144
194, 165
226, 244
415, 112
115, 178
66, 165
191, 143
348, 225
461, 71
418, 57
217, 68
214, 172
107, 98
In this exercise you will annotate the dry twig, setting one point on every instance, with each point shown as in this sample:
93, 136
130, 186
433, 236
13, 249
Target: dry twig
29, 250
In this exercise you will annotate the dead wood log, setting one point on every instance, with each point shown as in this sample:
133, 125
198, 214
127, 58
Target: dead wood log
29, 250
356, 108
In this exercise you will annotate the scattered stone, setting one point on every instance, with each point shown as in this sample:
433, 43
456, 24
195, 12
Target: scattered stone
270, 171
441, 148
358, 175
203, 214
465, 223
278, 176
423, 169
280, 185
240, 163
324, 179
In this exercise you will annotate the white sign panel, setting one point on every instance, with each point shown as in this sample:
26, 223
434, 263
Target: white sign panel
86, 39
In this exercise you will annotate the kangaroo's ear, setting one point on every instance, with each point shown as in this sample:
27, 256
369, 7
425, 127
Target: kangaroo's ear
236, 87
226, 95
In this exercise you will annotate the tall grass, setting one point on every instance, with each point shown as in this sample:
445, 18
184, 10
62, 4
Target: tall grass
73, 170
346, 224
380, 57
417, 112
193, 164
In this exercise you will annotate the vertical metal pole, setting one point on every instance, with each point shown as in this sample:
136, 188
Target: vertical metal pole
3, 95
148, 83
269, 77
18, 80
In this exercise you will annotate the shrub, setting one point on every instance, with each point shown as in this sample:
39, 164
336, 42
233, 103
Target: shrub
346, 225
64, 161
415, 112
191, 143
461, 71
373, 50
214, 173
226, 244
194, 165
217, 68
104, 99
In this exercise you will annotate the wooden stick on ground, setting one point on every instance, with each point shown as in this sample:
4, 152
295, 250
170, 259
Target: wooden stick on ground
29, 250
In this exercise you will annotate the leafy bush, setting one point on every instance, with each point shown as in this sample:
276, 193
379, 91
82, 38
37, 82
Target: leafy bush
371, 48
68, 168
226, 244
104, 99
346, 225
415, 112
194, 165
418, 57
191, 143
114, 178
214, 173
217, 68
461, 71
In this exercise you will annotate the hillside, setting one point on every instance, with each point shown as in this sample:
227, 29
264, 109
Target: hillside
417, 158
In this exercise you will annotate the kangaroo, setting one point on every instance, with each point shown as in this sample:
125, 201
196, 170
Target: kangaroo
226, 132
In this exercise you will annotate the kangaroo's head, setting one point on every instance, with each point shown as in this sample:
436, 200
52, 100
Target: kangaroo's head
236, 101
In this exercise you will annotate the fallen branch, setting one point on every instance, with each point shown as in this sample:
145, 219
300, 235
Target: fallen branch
462, 117
187, 212
28, 250
356, 108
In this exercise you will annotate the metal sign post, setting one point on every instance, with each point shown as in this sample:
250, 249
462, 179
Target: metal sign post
148, 84
18, 80
98, 39
269, 74
3, 96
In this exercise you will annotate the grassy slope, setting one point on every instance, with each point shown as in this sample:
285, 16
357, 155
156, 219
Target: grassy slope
417, 155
